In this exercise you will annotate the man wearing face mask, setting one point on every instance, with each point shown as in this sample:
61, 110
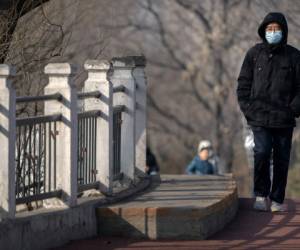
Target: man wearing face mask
268, 94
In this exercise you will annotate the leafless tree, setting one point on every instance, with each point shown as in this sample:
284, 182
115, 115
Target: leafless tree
36, 32
211, 30
10, 13
194, 50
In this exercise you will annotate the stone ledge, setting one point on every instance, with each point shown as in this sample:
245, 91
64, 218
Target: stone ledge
7, 70
129, 61
177, 207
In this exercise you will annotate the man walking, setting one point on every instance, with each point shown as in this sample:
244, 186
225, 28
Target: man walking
268, 94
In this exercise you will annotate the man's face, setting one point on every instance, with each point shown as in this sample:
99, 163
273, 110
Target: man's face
271, 27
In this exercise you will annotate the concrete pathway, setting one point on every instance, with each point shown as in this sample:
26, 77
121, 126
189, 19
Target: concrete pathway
249, 230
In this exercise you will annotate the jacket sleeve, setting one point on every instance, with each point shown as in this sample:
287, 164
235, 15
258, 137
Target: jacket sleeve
245, 79
295, 103
214, 162
210, 169
190, 169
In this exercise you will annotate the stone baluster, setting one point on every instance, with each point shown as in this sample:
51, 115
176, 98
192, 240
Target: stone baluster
7, 142
122, 76
60, 81
98, 81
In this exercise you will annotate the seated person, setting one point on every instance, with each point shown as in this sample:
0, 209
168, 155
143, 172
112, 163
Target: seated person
151, 164
213, 159
200, 164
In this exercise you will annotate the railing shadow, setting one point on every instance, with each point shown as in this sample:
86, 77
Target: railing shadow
261, 229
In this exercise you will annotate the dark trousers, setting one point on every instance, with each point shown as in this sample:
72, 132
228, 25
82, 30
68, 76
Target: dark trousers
280, 141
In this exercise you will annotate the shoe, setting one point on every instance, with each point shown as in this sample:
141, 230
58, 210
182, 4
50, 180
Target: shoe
277, 207
261, 204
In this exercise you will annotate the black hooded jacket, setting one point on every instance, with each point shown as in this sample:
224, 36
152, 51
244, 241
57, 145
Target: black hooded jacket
268, 88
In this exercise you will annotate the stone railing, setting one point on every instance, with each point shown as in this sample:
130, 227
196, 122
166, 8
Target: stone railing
83, 140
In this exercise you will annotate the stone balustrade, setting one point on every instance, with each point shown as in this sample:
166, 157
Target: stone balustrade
73, 155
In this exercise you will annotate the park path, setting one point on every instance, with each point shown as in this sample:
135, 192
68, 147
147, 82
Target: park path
249, 230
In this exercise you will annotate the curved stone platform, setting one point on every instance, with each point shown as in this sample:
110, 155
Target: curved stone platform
175, 207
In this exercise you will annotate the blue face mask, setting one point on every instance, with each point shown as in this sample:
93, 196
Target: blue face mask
273, 37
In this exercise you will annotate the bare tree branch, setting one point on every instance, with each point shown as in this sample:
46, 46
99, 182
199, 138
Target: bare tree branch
163, 36
169, 116
16, 10
198, 12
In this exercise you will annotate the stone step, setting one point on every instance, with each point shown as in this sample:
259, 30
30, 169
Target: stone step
174, 207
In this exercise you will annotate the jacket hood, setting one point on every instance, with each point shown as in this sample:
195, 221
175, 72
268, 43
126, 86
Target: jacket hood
274, 17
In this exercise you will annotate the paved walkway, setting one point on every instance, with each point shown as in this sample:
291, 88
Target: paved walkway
250, 230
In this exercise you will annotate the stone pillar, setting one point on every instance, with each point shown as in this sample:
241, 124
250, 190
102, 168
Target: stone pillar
7, 142
98, 81
141, 114
60, 81
122, 76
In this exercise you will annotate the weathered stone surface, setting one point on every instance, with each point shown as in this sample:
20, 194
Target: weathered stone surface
60, 81
7, 141
98, 65
129, 61
98, 81
177, 207
140, 119
44, 229
122, 76
60, 69
7, 70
